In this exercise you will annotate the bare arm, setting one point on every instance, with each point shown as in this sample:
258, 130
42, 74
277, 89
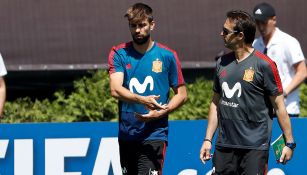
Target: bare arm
299, 77
285, 125
211, 128
178, 99
123, 94
2, 95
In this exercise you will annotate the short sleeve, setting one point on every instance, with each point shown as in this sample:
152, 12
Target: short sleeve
294, 51
175, 73
114, 62
271, 79
3, 70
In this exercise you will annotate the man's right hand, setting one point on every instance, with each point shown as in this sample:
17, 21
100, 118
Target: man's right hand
205, 154
151, 102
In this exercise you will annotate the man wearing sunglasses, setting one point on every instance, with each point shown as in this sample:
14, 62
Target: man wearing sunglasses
286, 52
246, 89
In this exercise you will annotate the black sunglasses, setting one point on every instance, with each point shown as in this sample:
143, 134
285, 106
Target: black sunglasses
227, 32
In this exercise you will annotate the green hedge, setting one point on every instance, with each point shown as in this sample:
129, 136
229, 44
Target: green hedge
303, 98
91, 101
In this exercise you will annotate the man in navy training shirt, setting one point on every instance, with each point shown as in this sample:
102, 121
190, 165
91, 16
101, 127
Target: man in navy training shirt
142, 72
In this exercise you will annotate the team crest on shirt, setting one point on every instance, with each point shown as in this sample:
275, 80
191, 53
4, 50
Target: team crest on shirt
157, 66
249, 74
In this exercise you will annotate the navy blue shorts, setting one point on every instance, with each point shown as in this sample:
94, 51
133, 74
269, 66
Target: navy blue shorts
142, 157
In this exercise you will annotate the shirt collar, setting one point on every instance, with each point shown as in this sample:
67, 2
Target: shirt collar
275, 38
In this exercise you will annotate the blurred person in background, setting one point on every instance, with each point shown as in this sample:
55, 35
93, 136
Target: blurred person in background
3, 72
285, 51
142, 72
246, 89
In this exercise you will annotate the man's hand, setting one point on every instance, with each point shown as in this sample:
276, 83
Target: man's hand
153, 114
150, 102
205, 154
286, 155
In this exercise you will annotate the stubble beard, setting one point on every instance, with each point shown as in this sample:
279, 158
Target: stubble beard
142, 40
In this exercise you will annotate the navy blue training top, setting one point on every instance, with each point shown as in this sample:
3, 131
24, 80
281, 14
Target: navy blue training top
152, 73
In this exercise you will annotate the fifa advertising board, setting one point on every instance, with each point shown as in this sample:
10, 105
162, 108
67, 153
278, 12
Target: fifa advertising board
92, 149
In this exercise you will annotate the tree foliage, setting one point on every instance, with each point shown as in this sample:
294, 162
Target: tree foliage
303, 100
90, 101
197, 106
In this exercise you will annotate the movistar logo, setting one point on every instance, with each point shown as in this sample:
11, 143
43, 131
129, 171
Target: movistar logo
230, 92
140, 88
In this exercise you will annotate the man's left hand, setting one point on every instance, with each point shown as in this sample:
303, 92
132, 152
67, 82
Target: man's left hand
286, 155
153, 114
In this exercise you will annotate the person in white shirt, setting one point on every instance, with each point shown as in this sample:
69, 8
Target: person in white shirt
285, 50
3, 72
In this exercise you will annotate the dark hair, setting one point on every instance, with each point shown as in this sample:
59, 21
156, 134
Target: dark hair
245, 23
139, 12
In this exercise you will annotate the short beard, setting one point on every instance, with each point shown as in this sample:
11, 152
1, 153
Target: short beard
141, 41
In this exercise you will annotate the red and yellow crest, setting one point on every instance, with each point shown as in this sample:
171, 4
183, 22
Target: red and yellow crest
157, 66
249, 75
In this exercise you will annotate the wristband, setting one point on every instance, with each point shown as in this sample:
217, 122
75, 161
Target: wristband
208, 140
